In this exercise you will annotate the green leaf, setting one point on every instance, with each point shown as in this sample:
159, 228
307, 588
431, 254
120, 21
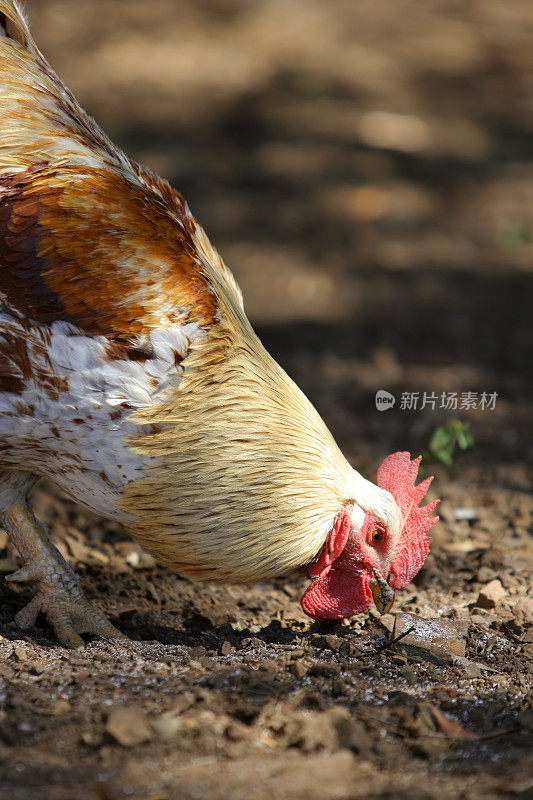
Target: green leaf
441, 438
444, 440
445, 456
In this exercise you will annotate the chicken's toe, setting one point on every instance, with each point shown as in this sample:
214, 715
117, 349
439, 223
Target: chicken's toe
68, 617
27, 617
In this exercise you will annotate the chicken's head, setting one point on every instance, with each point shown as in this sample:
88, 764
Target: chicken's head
366, 556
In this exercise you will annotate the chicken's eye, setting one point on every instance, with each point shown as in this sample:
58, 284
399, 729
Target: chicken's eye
377, 536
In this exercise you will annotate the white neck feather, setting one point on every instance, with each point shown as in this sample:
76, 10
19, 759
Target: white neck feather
374, 500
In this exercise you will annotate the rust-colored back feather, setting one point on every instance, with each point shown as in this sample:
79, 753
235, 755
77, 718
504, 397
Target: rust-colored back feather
88, 236
91, 247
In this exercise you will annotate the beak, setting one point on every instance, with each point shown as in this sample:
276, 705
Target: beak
382, 593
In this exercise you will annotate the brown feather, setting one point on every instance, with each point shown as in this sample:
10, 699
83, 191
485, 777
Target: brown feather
88, 235
90, 247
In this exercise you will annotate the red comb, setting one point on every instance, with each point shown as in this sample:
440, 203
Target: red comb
397, 474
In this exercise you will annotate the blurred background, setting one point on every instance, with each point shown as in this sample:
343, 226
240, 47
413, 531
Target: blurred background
364, 168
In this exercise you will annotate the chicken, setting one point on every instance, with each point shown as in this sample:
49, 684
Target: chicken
131, 377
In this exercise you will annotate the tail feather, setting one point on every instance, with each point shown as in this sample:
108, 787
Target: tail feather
63, 184
40, 120
13, 24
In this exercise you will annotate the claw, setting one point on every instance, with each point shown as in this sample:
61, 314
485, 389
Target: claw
26, 573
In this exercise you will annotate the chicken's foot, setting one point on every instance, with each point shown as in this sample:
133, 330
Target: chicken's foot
59, 595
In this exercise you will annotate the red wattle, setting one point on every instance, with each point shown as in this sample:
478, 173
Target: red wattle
335, 544
336, 594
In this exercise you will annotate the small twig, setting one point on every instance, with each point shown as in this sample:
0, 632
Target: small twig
494, 734
395, 639
442, 736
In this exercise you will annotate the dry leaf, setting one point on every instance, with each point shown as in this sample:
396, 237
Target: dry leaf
452, 729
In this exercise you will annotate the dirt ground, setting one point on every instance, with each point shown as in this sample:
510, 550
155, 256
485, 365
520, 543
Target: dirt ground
364, 169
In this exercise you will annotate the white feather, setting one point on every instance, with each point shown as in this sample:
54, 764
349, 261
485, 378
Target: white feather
71, 436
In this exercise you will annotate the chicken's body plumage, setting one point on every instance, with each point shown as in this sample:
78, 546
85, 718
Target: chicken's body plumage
129, 373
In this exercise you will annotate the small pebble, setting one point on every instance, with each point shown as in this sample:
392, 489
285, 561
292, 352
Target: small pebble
348, 648
269, 666
166, 726
197, 652
226, 648
485, 620
338, 687
491, 595
128, 726
298, 669
37, 667
486, 574
467, 513
408, 674
237, 731
90, 739
327, 642
57, 708
323, 669
20, 654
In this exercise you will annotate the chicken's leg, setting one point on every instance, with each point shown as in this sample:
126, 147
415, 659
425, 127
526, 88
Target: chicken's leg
59, 595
